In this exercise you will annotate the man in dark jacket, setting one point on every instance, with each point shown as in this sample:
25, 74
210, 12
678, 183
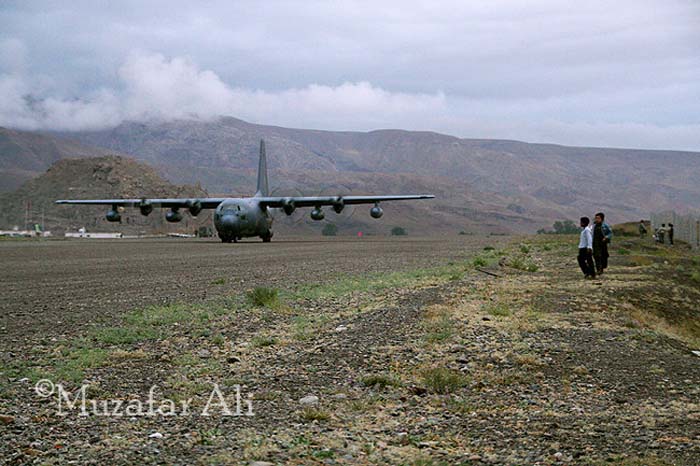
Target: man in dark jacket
669, 230
642, 229
602, 236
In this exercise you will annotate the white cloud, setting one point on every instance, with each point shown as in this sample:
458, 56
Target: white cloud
591, 73
156, 88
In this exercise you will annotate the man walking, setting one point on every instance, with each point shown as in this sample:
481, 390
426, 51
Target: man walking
602, 236
642, 229
585, 249
669, 230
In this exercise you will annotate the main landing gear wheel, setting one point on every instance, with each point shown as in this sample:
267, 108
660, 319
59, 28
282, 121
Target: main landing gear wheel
267, 238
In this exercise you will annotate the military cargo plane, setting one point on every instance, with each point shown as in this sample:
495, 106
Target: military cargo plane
243, 217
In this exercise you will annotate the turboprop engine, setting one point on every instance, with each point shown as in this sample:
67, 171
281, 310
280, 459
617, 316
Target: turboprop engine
317, 214
288, 206
195, 207
113, 215
145, 207
376, 211
173, 215
338, 205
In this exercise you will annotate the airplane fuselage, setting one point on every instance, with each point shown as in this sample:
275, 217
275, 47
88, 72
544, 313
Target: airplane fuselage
237, 218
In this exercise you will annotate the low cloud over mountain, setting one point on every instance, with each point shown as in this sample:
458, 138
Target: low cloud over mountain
597, 74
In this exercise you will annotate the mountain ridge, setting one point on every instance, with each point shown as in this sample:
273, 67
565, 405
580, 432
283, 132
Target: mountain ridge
628, 182
522, 186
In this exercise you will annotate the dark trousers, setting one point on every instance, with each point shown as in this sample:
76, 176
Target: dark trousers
600, 255
585, 261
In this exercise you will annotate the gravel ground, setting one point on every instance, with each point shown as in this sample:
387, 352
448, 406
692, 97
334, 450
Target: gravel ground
530, 364
52, 288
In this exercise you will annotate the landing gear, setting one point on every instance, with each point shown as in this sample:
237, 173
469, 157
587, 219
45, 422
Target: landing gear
229, 239
267, 237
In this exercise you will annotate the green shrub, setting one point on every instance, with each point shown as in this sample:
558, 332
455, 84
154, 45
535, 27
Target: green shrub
398, 231
124, 335
442, 380
497, 309
695, 276
329, 229
565, 227
479, 262
439, 330
315, 414
521, 263
204, 232
263, 297
262, 341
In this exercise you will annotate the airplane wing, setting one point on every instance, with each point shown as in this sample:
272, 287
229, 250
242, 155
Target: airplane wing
318, 201
205, 203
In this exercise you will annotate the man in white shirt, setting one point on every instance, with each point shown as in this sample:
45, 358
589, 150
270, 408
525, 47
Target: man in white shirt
585, 249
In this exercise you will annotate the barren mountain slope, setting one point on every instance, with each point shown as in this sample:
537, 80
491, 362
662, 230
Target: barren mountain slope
546, 181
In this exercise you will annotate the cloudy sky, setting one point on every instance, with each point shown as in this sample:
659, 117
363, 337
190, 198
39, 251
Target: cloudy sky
598, 73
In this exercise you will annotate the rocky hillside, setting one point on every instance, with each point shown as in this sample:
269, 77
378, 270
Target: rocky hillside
542, 181
482, 185
98, 177
456, 209
24, 155
121, 177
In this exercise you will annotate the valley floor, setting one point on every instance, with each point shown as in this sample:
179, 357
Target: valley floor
419, 352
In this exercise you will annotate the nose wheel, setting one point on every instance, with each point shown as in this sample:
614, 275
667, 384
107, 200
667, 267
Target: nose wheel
267, 237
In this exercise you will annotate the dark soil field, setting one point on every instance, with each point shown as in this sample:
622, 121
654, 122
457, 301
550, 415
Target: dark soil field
412, 351
56, 287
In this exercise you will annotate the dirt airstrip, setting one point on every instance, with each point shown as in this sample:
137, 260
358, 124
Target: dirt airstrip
415, 351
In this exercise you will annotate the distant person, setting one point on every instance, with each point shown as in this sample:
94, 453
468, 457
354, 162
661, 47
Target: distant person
669, 230
585, 249
661, 233
602, 236
642, 229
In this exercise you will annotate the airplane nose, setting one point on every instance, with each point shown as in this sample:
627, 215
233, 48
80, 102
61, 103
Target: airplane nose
229, 221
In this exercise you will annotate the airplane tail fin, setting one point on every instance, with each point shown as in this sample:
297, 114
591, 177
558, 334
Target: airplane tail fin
263, 189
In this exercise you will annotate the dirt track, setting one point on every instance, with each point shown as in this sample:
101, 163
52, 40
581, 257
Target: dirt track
448, 365
55, 287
